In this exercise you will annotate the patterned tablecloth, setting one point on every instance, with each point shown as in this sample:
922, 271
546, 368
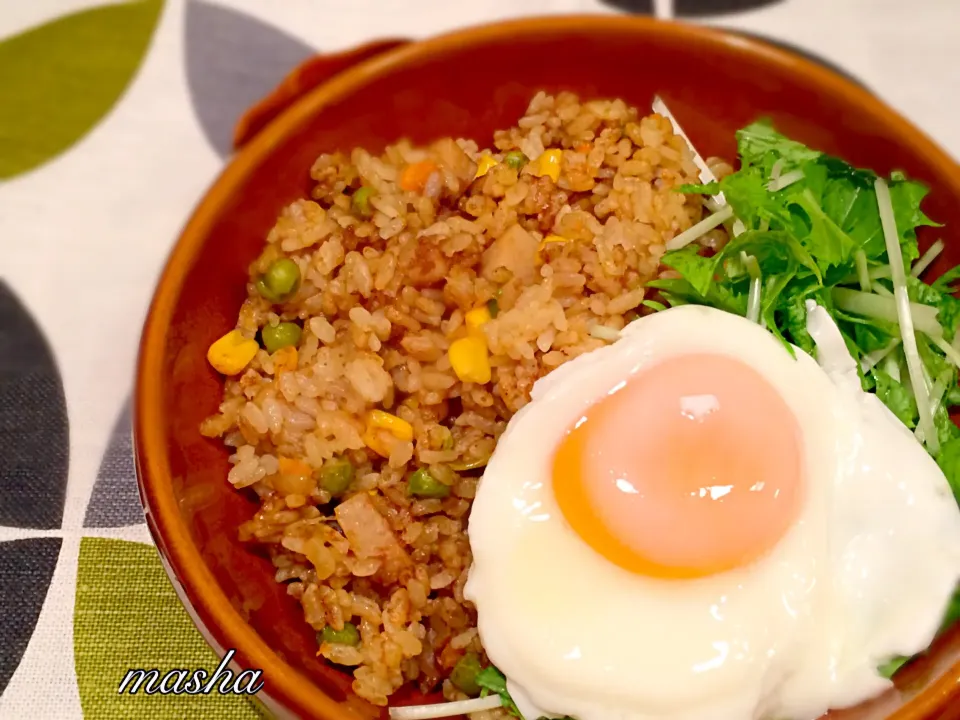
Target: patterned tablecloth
114, 118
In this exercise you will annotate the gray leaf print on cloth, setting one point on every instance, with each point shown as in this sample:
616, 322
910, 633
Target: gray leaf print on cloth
699, 8
115, 501
233, 60
26, 568
637, 7
34, 434
693, 8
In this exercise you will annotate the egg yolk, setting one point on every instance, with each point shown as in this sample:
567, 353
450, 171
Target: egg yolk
690, 467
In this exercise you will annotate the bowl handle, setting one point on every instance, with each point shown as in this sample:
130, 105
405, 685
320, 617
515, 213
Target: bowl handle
306, 76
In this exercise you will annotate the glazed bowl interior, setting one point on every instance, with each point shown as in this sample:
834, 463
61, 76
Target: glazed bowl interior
466, 85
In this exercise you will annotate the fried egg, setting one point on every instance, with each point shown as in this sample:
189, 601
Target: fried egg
695, 524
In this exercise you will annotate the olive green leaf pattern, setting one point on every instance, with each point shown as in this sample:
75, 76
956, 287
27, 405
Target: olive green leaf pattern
127, 616
59, 79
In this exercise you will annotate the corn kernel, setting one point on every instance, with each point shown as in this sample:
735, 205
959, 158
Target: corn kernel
371, 440
232, 353
477, 318
484, 164
552, 239
380, 420
470, 359
549, 164
284, 359
398, 427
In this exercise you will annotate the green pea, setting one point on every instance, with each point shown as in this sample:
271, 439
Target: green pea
280, 280
280, 335
348, 636
464, 675
336, 475
423, 484
516, 159
493, 307
266, 292
361, 202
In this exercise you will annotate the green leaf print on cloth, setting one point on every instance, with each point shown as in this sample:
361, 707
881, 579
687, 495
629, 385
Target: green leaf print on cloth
127, 615
59, 79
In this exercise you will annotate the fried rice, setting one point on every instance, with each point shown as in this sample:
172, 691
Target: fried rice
559, 262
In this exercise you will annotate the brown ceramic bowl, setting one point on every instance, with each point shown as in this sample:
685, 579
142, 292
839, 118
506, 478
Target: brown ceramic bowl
463, 84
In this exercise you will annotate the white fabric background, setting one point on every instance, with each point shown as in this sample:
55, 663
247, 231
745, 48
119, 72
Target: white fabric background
119, 197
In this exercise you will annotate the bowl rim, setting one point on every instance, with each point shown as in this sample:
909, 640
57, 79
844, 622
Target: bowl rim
200, 591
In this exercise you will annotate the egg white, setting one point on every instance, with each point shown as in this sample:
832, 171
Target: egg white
864, 573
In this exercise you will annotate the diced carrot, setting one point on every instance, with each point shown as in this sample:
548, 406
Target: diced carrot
584, 148
415, 175
292, 466
284, 359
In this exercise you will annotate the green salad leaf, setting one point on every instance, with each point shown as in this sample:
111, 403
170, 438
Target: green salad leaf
711, 188
896, 397
890, 667
944, 282
810, 228
953, 611
697, 270
949, 462
759, 142
491, 680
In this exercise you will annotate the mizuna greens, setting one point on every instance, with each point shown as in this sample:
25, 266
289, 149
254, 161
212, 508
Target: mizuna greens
805, 225
493, 693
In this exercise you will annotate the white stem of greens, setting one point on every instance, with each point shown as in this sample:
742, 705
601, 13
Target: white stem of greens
882, 291
753, 299
929, 385
875, 306
863, 273
904, 315
880, 272
735, 228
891, 366
936, 395
700, 229
442, 710
776, 169
870, 360
706, 174
785, 180
928, 257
